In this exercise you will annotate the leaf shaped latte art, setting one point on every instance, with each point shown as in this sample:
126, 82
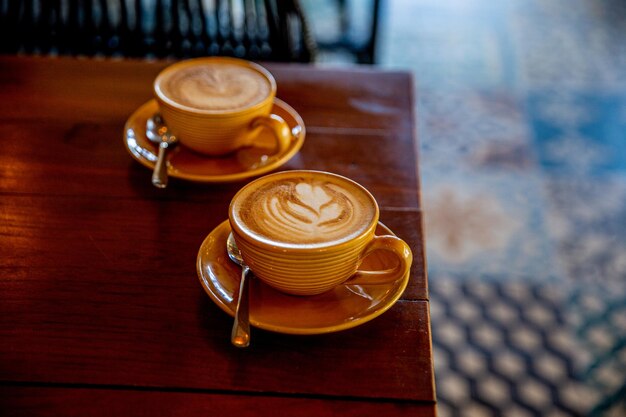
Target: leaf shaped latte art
213, 81
307, 212
218, 87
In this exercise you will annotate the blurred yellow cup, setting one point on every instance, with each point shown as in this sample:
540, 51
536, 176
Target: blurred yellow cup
216, 105
305, 232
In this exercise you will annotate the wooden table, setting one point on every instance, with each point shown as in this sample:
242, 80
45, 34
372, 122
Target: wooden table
101, 311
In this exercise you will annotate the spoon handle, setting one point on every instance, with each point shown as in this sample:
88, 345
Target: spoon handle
159, 176
240, 336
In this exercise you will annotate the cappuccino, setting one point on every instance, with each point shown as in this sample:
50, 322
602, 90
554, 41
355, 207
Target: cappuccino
305, 232
305, 209
215, 86
217, 105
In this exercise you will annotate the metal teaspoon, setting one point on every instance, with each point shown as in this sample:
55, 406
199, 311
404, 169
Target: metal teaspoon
157, 132
240, 335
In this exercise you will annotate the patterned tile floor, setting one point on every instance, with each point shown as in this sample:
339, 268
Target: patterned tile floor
522, 121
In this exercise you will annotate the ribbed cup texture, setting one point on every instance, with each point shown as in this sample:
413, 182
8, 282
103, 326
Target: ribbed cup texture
213, 134
303, 272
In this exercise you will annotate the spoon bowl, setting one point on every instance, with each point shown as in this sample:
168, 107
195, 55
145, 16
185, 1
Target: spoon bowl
240, 335
157, 132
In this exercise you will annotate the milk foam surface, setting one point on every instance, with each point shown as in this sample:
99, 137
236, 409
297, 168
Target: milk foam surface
216, 86
305, 211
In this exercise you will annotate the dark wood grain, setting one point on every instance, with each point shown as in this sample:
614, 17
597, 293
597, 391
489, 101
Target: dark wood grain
109, 286
97, 274
69, 157
27, 401
138, 334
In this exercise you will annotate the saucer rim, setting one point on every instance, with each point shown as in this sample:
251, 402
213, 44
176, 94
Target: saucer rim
217, 178
294, 330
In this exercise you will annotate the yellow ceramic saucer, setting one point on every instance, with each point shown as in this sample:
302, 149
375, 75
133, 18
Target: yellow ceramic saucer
344, 307
185, 164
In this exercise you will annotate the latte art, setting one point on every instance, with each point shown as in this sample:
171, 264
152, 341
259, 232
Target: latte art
305, 211
216, 86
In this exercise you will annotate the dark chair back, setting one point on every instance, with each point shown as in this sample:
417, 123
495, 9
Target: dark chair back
272, 30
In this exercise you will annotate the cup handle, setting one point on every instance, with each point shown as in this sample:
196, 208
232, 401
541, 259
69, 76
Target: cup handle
279, 127
391, 244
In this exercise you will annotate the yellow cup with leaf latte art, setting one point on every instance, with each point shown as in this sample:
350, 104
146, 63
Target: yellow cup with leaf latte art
216, 105
305, 232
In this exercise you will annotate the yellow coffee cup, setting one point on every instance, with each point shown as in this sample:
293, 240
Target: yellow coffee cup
305, 232
216, 105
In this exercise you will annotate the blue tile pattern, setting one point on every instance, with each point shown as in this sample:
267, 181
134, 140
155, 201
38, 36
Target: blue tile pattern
522, 120
599, 317
488, 224
588, 226
509, 348
579, 134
